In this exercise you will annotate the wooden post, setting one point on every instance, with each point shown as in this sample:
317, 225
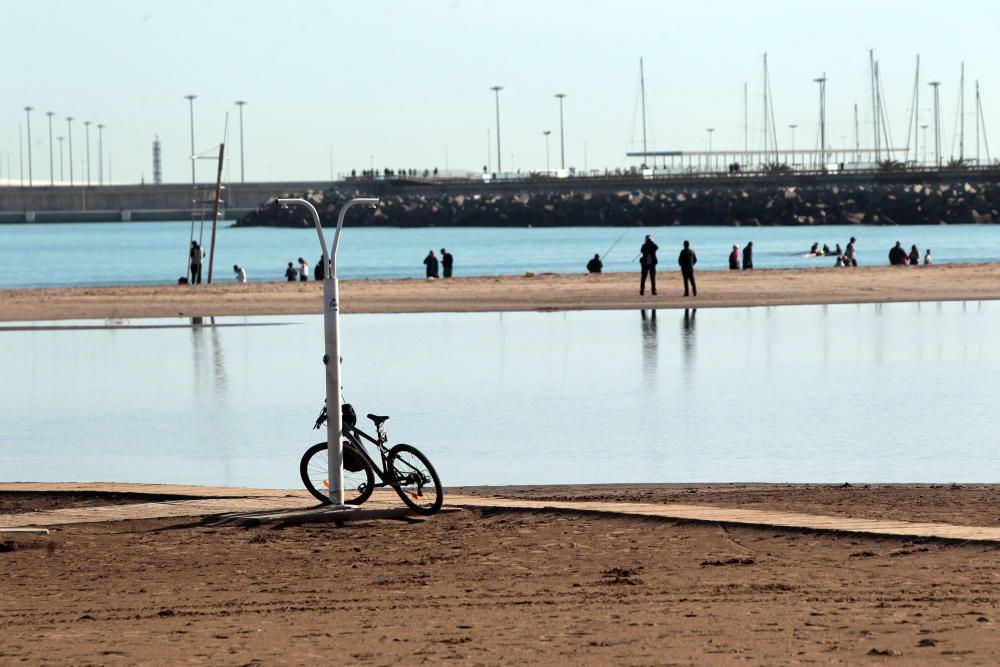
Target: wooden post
215, 210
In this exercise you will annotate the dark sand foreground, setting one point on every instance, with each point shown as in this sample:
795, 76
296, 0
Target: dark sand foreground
541, 292
489, 587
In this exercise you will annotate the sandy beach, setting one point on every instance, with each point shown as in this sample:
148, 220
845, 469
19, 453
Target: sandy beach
511, 293
525, 587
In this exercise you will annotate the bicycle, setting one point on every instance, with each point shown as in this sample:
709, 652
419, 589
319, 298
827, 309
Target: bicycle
403, 467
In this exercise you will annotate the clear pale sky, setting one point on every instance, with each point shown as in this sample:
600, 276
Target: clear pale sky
401, 83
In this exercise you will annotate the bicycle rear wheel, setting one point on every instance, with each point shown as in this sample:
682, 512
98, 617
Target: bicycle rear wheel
415, 479
358, 485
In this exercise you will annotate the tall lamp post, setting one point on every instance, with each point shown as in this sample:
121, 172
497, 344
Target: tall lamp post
69, 135
190, 99
60, 140
86, 134
100, 154
240, 104
27, 112
547, 133
792, 127
331, 327
52, 171
710, 130
562, 143
822, 120
496, 90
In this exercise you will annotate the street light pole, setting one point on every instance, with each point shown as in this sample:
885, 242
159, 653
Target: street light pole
331, 326
60, 140
86, 133
69, 134
793, 126
240, 104
190, 99
937, 124
497, 89
546, 133
710, 130
52, 174
562, 143
822, 120
100, 155
27, 112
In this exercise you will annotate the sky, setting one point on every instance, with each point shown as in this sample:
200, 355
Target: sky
336, 86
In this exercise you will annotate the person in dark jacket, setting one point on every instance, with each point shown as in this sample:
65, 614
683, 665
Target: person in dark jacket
319, 273
291, 273
734, 259
687, 259
914, 256
595, 265
897, 256
447, 261
647, 259
432, 265
748, 256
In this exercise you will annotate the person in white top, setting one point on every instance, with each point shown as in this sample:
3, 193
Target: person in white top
303, 270
927, 257
241, 274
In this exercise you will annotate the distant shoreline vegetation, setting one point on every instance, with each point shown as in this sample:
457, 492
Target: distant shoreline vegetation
734, 205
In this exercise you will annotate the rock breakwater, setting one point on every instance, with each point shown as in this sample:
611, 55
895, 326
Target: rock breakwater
885, 204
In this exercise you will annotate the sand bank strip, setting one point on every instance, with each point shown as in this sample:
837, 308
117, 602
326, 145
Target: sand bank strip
775, 287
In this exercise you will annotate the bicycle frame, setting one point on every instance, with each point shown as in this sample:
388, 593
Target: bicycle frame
352, 433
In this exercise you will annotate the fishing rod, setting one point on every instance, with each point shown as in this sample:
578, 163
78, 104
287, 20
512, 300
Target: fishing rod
606, 252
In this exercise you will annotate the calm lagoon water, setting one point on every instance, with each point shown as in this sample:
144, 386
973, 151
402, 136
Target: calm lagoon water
859, 393
53, 255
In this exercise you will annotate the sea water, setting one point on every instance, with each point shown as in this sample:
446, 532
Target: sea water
56, 255
844, 393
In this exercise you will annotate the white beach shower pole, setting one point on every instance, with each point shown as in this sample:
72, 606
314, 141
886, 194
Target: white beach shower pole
331, 326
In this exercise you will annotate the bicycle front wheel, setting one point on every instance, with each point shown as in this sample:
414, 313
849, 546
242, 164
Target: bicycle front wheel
358, 485
415, 479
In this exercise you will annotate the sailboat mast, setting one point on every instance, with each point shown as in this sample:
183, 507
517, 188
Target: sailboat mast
977, 123
642, 92
857, 138
961, 114
765, 110
746, 123
871, 66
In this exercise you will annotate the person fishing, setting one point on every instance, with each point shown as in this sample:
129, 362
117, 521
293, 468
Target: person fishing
648, 262
595, 265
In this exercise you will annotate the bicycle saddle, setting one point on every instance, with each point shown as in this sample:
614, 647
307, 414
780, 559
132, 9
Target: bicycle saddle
378, 419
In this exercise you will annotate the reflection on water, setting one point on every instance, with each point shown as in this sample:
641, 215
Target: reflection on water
887, 392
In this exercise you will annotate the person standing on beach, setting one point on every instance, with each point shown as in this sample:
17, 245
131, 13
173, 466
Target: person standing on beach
196, 255
897, 256
303, 270
734, 259
318, 272
291, 274
595, 265
687, 259
748, 256
447, 261
241, 274
647, 258
849, 257
914, 256
432, 265
927, 257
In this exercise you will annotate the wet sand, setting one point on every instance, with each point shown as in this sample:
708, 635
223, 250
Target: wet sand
511, 293
489, 587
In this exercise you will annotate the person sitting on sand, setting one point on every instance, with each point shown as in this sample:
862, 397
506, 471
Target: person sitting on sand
241, 274
927, 257
595, 265
431, 262
914, 256
291, 275
734, 259
897, 256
